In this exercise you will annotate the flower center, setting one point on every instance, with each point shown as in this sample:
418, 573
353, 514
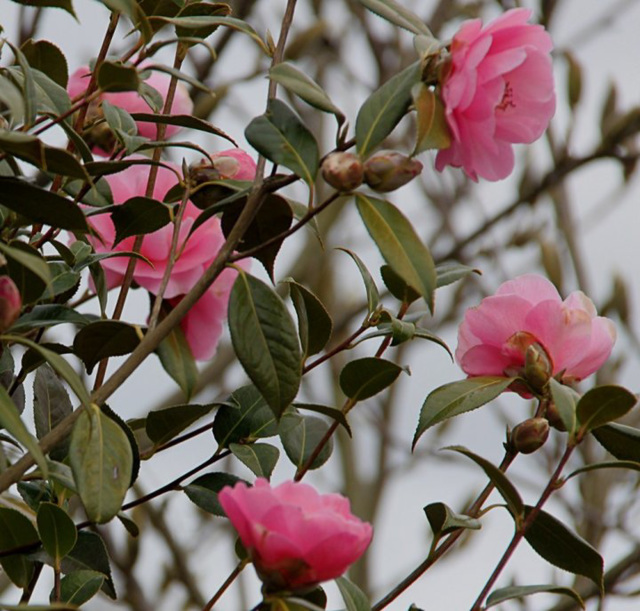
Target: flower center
507, 98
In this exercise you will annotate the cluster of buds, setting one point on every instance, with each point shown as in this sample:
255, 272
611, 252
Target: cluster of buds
384, 171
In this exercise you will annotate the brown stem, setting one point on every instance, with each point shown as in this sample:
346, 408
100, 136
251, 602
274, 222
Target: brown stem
227, 582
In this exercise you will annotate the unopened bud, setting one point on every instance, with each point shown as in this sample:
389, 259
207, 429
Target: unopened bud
389, 170
537, 366
553, 416
530, 435
343, 171
10, 302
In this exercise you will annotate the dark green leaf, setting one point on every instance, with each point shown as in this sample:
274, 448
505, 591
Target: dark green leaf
559, 546
366, 377
373, 296
281, 137
81, 586
27, 84
300, 436
620, 440
139, 216
519, 592
354, 598
498, 479
133, 442
202, 9
260, 458
331, 412
565, 400
105, 338
245, 417
90, 553
28, 269
603, 404
398, 15
314, 323
57, 531
397, 286
48, 58
265, 341
63, 4
177, 360
384, 108
115, 76
203, 491
188, 121
164, 424
16, 531
101, 459
444, 520
458, 398
399, 244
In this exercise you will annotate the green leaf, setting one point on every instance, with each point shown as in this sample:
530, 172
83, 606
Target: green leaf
28, 269
105, 338
260, 458
397, 14
49, 607
518, 592
203, 491
613, 464
63, 4
559, 546
164, 424
139, 216
373, 296
354, 598
449, 272
115, 76
444, 520
458, 398
314, 323
397, 286
101, 459
300, 436
281, 137
41, 206
177, 360
498, 479
90, 553
565, 400
197, 9
384, 108
27, 84
603, 404
57, 531
433, 131
303, 86
48, 58
246, 416
399, 244
265, 341
81, 586
188, 121
620, 440
331, 412
11, 421
16, 531
366, 377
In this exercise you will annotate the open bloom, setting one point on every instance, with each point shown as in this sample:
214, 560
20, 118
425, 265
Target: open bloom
296, 537
498, 91
203, 324
528, 311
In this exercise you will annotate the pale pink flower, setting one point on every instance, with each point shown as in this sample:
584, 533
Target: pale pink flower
296, 537
132, 102
499, 91
494, 336
203, 324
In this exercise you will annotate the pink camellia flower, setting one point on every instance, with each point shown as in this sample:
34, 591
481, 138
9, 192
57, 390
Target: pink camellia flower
10, 302
296, 537
498, 91
132, 102
528, 311
203, 324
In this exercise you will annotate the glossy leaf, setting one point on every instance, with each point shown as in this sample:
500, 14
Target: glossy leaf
559, 546
281, 137
81, 586
203, 491
11, 421
620, 440
57, 531
300, 435
518, 592
43, 55
498, 479
164, 424
565, 400
177, 360
399, 244
260, 458
384, 108
16, 531
354, 598
265, 341
398, 15
444, 520
366, 377
373, 296
314, 323
105, 338
101, 459
603, 404
331, 412
458, 398
139, 216
188, 121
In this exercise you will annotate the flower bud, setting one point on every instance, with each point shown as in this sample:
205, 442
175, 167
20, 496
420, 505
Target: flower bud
537, 366
553, 416
10, 302
389, 170
529, 435
343, 171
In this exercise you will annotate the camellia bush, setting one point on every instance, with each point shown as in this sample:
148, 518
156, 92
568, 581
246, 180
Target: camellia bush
284, 273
